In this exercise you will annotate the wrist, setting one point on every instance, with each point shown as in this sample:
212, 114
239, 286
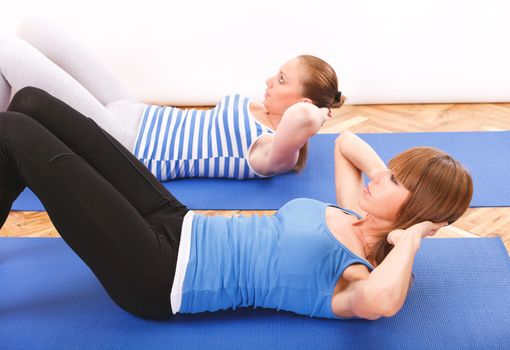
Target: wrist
413, 239
404, 237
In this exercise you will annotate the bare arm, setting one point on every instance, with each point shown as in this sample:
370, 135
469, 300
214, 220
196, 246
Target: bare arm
383, 291
353, 156
299, 122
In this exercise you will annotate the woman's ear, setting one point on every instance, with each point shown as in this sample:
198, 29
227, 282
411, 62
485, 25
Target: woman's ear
306, 99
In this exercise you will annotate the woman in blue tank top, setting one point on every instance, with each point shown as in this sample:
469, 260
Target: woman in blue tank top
154, 257
240, 138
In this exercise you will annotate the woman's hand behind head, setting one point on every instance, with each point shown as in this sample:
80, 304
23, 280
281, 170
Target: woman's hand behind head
419, 230
326, 113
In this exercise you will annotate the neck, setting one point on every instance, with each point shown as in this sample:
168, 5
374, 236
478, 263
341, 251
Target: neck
371, 231
273, 119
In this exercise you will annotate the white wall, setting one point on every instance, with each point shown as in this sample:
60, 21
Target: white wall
394, 51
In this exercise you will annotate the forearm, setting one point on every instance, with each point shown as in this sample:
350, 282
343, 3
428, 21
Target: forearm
302, 120
298, 124
348, 181
359, 153
389, 282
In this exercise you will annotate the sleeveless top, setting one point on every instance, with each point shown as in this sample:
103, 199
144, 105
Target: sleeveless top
175, 143
287, 261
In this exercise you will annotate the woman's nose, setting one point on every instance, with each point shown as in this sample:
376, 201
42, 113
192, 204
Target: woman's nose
268, 82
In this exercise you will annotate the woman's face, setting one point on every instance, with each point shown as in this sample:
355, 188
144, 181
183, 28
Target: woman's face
383, 197
285, 88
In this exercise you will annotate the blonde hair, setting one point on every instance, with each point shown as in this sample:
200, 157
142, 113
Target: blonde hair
440, 189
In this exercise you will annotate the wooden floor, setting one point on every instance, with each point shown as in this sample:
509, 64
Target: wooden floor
480, 222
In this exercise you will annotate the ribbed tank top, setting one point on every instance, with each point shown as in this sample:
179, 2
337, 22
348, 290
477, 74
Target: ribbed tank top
287, 261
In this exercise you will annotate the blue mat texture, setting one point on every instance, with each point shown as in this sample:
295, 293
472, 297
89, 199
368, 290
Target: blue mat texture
50, 300
485, 154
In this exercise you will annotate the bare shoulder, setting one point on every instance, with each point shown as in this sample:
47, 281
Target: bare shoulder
340, 224
257, 109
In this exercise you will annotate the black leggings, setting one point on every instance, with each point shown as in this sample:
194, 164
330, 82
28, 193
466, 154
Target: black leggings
115, 215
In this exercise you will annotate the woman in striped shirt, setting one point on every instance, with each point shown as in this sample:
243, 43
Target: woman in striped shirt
239, 138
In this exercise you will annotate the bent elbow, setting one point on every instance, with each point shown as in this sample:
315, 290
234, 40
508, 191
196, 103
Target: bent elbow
305, 115
282, 165
374, 303
387, 304
343, 135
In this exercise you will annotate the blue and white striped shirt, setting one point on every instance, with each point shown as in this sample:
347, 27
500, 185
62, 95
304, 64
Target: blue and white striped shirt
175, 143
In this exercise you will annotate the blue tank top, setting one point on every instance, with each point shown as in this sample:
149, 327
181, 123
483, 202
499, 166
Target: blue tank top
287, 261
175, 143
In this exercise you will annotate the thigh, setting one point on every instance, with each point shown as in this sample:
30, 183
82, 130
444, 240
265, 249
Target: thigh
127, 116
75, 59
131, 258
22, 65
85, 138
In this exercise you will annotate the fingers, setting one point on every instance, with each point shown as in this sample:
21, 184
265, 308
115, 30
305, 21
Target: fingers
438, 225
326, 111
421, 229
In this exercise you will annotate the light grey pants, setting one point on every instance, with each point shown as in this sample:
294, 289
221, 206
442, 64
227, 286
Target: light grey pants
48, 59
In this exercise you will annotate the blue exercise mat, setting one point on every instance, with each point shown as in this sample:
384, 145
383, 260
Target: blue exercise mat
49, 299
485, 154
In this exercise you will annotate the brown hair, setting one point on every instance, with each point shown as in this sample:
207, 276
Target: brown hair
320, 84
303, 155
440, 189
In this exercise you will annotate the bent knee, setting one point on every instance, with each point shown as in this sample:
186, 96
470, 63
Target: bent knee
11, 49
28, 100
14, 123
